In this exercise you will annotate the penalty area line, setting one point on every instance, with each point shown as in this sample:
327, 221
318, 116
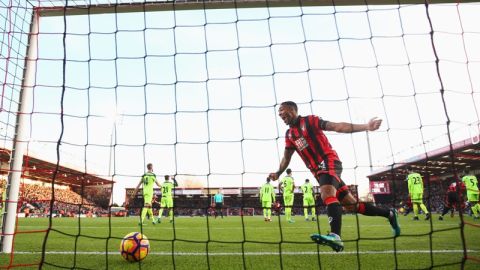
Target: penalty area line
367, 252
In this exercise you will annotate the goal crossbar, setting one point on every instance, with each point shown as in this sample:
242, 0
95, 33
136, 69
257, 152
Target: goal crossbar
217, 4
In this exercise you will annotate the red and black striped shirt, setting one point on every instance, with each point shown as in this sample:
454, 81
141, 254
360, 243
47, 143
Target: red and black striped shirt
453, 187
311, 144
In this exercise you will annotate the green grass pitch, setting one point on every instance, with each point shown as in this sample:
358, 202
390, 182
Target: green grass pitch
245, 243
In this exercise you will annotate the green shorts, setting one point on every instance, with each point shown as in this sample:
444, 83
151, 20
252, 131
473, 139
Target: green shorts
417, 197
147, 198
308, 201
288, 199
267, 204
167, 202
472, 197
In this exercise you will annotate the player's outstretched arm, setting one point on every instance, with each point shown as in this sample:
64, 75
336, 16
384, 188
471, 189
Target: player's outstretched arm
287, 156
343, 127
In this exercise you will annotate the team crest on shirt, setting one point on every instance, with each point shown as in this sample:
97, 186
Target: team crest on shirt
301, 143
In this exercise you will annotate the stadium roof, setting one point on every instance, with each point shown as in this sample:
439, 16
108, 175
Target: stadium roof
41, 170
436, 163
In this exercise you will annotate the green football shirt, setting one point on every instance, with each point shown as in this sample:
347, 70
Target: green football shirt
415, 183
267, 193
148, 180
167, 189
471, 183
287, 184
307, 190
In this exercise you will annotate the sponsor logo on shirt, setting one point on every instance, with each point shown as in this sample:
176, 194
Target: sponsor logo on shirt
301, 143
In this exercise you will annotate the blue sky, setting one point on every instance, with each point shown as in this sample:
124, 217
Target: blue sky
197, 92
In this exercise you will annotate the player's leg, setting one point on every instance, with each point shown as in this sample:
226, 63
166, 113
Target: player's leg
477, 206
264, 208
475, 209
425, 210
287, 212
446, 207
163, 204
369, 209
313, 210
451, 199
474, 206
288, 207
408, 209
415, 210
266, 205
334, 212
150, 214
143, 214
445, 210
160, 213
147, 199
150, 211
170, 214
305, 208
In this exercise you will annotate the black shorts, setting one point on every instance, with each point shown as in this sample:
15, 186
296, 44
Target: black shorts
452, 198
218, 205
325, 178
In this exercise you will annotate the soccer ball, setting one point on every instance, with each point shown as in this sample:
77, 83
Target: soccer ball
134, 247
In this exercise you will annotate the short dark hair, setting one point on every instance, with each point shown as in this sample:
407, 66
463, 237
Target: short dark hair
306, 180
289, 171
268, 179
467, 170
290, 104
167, 177
149, 166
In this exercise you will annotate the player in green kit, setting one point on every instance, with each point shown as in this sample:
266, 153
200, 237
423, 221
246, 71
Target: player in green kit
287, 186
167, 198
267, 196
147, 180
415, 189
308, 200
471, 184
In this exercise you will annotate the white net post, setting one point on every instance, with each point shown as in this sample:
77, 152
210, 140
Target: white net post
21, 138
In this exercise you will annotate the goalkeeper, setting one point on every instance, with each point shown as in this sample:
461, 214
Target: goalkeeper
267, 196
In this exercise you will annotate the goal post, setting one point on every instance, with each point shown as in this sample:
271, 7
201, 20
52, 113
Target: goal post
21, 140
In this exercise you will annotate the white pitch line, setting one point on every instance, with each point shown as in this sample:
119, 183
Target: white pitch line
213, 227
256, 253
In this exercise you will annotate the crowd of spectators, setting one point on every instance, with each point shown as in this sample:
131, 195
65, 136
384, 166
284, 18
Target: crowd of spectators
36, 201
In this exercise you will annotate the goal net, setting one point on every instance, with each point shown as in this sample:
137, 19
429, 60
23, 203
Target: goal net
92, 91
